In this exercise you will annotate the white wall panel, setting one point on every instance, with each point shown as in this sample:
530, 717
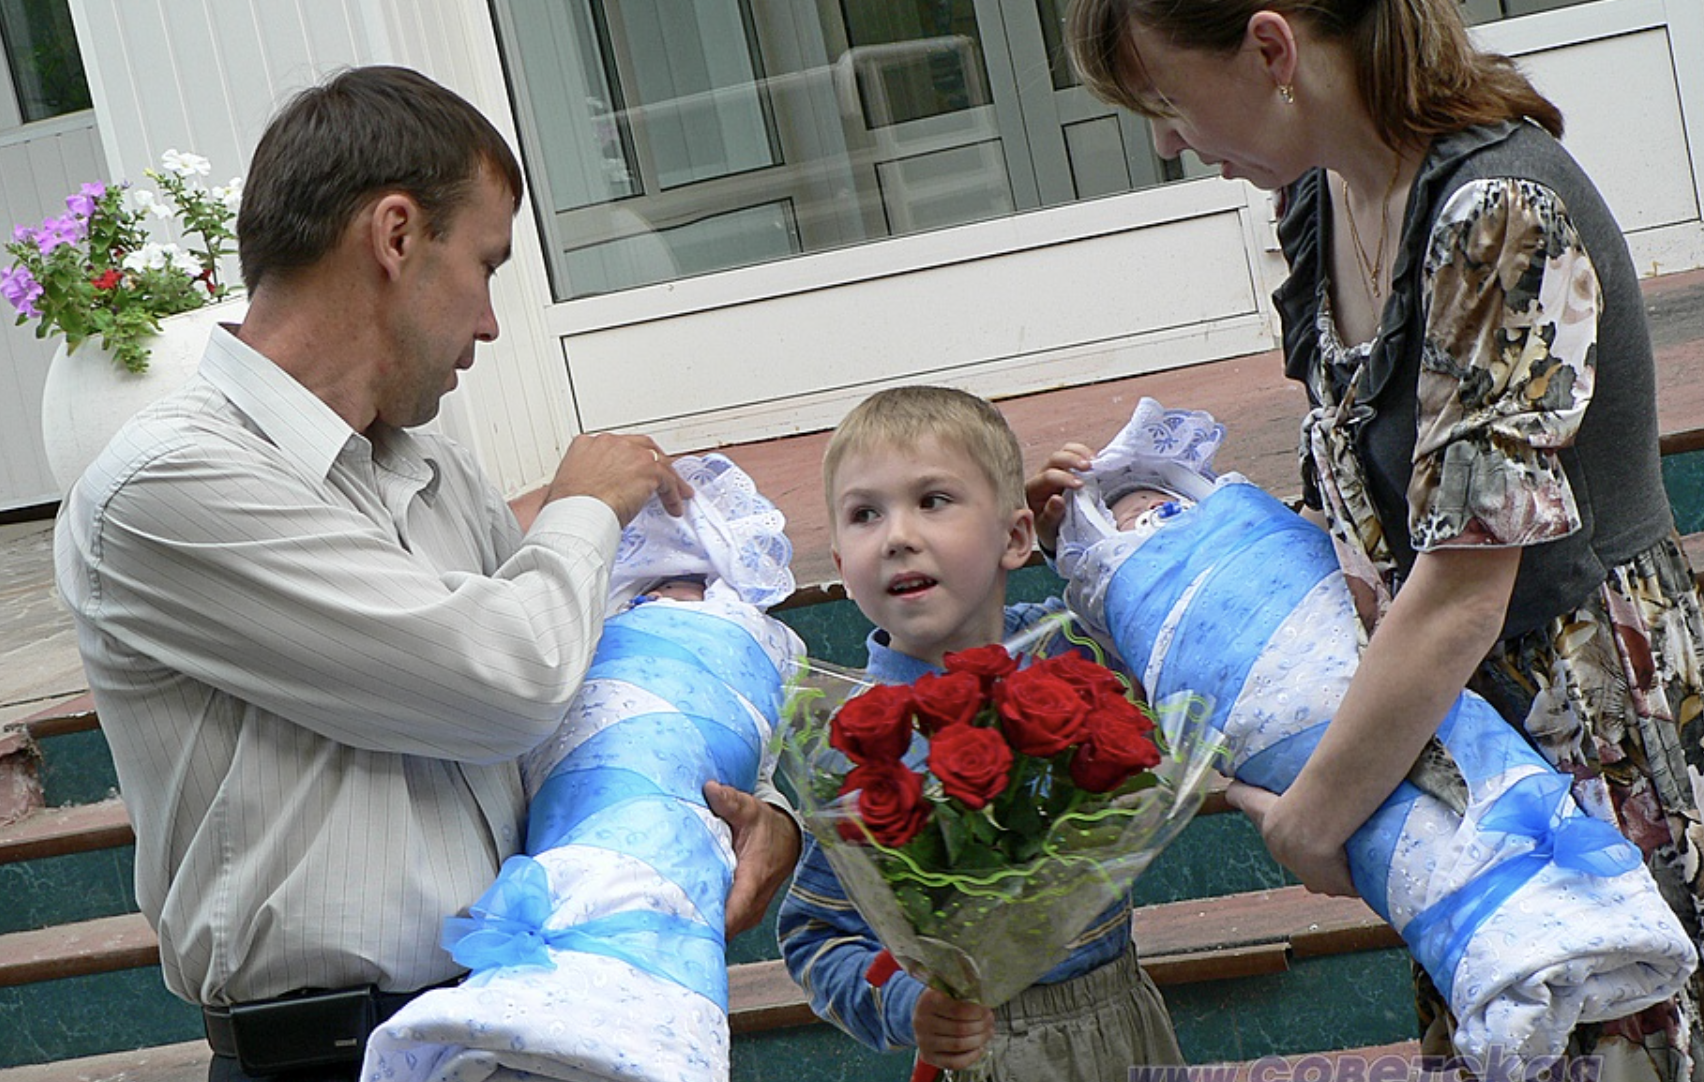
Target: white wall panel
39, 166
1620, 72
202, 75
1106, 289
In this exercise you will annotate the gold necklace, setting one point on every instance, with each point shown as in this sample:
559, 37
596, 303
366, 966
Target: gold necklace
1374, 267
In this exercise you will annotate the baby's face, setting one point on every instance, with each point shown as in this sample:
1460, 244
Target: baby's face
1129, 506
678, 590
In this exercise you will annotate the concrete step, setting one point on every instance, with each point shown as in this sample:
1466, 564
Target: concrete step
1201, 939
60, 865
76, 828
78, 772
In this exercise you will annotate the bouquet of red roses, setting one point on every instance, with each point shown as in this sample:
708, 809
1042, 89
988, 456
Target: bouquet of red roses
982, 818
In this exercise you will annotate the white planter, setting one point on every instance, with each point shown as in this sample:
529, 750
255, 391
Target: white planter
88, 395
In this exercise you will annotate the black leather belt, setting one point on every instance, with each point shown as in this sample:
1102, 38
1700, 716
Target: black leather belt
303, 1029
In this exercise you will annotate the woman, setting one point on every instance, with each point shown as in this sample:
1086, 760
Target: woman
1464, 315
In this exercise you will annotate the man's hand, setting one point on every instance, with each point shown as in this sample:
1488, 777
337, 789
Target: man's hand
622, 471
766, 849
1322, 867
1045, 492
950, 1032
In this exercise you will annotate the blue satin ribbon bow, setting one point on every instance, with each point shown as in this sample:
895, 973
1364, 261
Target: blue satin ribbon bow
1534, 807
507, 929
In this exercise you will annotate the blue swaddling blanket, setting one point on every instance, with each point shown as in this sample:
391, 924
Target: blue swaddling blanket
1529, 915
599, 953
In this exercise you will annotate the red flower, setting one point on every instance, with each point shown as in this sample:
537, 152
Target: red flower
987, 663
874, 727
971, 762
1042, 714
1121, 710
946, 699
890, 802
108, 280
1117, 747
1086, 676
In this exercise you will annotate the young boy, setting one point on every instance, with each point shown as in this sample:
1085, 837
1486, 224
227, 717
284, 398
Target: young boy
927, 514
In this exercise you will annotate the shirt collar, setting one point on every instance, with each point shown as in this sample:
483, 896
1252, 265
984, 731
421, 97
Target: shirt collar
292, 417
297, 421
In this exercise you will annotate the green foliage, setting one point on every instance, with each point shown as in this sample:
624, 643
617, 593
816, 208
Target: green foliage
97, 272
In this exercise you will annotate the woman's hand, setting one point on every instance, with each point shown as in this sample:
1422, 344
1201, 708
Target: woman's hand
1321, 864
1442, 623
1045, 492
950, 1032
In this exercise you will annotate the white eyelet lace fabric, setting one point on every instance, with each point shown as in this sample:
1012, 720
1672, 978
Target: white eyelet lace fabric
1169, 449
729, 532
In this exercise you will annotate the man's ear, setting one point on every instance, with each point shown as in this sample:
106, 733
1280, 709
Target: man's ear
395, 225
1020, 540
1275, 40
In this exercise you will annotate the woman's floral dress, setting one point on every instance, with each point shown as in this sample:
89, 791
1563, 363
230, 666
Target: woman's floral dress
1610, 692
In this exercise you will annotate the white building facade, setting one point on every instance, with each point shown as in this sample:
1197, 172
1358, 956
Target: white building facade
745, 215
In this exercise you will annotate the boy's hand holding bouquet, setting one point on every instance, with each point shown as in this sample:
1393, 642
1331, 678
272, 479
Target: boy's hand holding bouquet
981, 819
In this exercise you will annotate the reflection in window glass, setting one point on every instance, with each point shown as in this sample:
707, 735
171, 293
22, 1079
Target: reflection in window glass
696, 87
42, 57
1052, 16
670, 138
570, 92
919, 59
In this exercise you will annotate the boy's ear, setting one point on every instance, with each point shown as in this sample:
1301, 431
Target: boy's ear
834, 554
1020, 540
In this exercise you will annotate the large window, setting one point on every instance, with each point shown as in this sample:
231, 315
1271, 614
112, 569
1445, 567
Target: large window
668, 138
44, 69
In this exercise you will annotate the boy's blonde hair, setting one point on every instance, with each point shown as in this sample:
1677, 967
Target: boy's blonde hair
905, 416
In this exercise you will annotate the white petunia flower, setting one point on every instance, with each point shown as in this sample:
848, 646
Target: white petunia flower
150, 256
149, 203
182, 261
231, 195
184, 164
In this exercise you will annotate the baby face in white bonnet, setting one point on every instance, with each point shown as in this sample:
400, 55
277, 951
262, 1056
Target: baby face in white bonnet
1145, 508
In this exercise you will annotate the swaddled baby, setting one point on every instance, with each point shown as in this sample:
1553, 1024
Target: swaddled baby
1528, 914
600, 954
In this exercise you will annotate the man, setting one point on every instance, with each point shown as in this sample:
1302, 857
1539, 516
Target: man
318, 641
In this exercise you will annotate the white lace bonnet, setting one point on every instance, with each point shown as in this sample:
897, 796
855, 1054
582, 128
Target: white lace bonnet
729, 533
1158, 448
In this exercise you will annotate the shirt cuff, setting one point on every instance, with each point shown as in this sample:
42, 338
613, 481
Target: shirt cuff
581, 519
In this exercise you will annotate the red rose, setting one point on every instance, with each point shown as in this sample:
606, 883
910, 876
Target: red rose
890, 802
1089, 677
947, 699
1122, 711
987, 663
1042, 714
971, 762
874, 727
1117, 747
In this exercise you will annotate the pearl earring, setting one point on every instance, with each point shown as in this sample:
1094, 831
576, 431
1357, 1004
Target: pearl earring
1287, 92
